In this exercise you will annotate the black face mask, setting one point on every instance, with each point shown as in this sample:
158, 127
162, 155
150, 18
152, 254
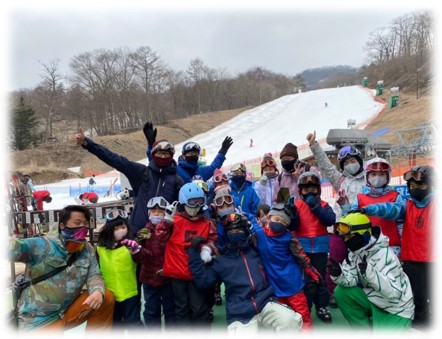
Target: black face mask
355, 243
309, 194
288, 165
277, 227
238, 180
419, 194
192, 159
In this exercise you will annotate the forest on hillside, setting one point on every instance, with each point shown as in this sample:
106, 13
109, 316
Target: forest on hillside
111, 90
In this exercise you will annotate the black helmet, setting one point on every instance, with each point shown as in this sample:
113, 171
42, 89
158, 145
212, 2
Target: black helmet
421, 174
349, 151
235, 220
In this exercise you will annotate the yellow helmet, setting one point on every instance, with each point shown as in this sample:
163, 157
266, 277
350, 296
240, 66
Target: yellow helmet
353, 223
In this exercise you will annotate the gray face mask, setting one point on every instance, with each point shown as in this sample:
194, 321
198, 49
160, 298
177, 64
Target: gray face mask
377, 182
352, 168
192, 211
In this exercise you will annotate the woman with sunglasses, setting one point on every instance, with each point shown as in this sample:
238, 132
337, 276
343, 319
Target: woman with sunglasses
417, 251
347, 182
119, 270
378, 190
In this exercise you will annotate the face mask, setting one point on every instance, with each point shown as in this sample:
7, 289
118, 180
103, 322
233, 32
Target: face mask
192, 211
309, 194
377, 182
162, 162
352, 168
120, 234
277, 227
237, 239
238, 180
418, 193
154, 219
271, 175
192, 159
78, 233
288, 165
355, 243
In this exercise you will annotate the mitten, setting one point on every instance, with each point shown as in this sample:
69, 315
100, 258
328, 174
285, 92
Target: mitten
196, 242
206, 254
263, 179
170, 212
150, 133
334, 268
132, 245
313, 202
226, 145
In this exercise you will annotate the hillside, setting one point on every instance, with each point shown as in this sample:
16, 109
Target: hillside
49, 163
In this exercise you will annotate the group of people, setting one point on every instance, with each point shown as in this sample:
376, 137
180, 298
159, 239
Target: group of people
24, 195
275, 245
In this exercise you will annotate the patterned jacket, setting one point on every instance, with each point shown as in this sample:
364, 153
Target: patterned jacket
44, 303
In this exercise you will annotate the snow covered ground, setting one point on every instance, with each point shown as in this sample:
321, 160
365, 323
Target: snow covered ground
271, 126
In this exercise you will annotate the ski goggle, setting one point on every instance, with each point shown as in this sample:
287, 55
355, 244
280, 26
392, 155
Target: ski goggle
347, 151
378, 166
194, 202
159, 202
268, 162
191, 146
114, 214
416, 175
238, 167
224, 199
164, 146
345, 229
203, 185
231, 218
310, 179
220, 177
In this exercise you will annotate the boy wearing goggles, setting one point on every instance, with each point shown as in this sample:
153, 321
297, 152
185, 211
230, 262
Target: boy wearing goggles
373, 292
417, 236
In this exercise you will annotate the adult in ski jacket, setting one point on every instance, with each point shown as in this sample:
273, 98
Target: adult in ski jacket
157, 179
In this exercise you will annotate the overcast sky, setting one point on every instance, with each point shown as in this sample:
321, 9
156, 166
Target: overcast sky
279, 37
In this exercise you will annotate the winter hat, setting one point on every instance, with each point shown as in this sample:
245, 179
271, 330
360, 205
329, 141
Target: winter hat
289, 150
268, 161
163, 145
281, 211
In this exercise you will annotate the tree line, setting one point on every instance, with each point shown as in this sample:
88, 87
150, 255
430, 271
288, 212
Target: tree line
107, 90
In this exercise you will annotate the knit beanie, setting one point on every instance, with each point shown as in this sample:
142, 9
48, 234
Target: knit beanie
280, 211
289, 150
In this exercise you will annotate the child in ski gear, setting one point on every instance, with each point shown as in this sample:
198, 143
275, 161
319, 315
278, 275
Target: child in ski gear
417, 236
59, 302
313, 217
373, 292
118, 269
40, 197
244, 196
250, 300
191, 306
285, 186
188, 166
269, 176
347, 183
284, 261
159, 178
262, 214
376, 191
157, 289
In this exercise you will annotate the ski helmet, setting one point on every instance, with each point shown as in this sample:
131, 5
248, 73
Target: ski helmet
235, 220
377, 165
191, 195
309, 179
349, 151
353, 223
424, 174
190, 146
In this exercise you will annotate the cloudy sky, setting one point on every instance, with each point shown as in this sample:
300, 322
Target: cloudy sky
237, 36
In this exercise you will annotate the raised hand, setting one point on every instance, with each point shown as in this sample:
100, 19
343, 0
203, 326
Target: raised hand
228, 141
311, 138
150, 133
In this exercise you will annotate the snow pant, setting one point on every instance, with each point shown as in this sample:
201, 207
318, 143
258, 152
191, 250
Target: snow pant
361, 314
274, 316
338, 251
77, 313
155, 298
127, 313
419, 274
191, 306
321, 298
298, 303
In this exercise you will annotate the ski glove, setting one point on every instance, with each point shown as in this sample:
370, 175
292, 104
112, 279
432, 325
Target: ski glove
363, 265
171, 211
226, 145
196, 242
206, 254
313, 202
263, 179
132, 245
334, 268
150, 133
